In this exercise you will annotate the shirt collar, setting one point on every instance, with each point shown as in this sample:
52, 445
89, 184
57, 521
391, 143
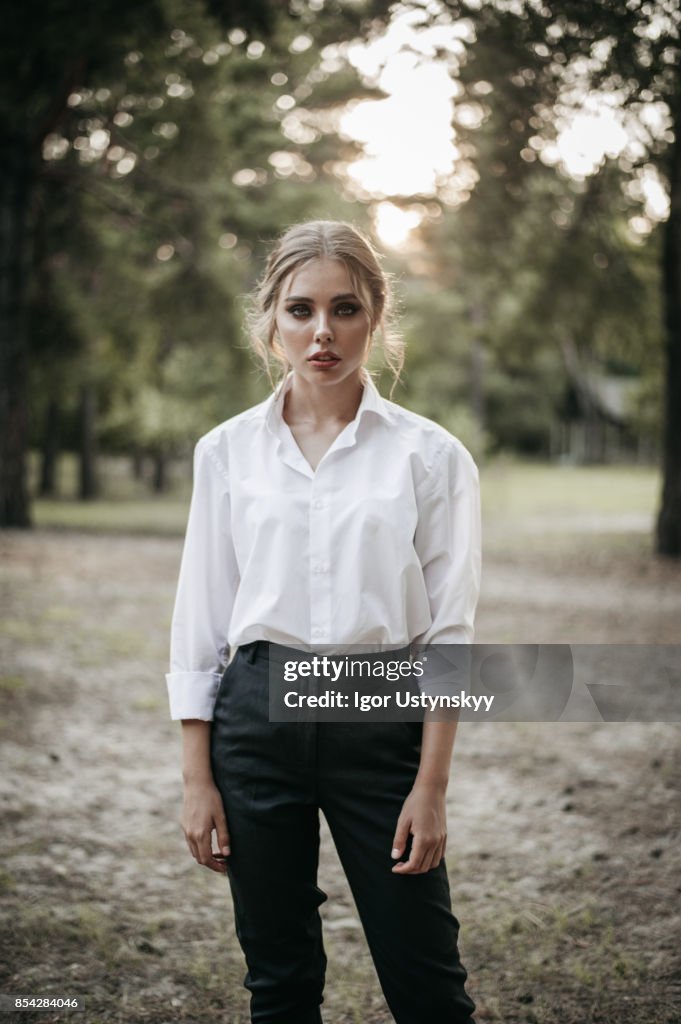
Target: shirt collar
371, 401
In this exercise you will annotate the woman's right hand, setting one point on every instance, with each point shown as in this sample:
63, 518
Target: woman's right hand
202, 813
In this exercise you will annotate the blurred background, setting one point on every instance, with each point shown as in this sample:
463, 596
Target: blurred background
518, 163
515, 163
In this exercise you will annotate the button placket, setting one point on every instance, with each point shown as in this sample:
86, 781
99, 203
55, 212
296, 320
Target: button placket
320, 565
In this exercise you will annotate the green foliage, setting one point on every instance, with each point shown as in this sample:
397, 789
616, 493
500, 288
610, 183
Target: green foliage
527, 261
179, 138
173, 162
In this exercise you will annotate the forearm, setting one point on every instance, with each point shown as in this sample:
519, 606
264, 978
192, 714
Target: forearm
196, 766
436, 751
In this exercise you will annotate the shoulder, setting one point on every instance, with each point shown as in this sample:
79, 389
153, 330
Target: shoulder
436, 450
214, 445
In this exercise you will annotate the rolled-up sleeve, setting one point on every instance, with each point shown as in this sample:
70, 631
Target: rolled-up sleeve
448, 541
205, 592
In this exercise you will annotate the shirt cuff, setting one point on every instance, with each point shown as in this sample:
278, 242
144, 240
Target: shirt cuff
192, 694
447, 668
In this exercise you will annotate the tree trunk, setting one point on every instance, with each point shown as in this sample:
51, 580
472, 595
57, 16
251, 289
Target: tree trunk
668, 531
89, 483
160, 482
137, 464
578, 378
16, 175
477, 382
50, 451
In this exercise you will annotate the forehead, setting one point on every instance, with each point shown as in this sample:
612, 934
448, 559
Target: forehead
318, 279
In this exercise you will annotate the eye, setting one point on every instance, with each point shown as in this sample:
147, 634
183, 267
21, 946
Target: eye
346, 309
300, 310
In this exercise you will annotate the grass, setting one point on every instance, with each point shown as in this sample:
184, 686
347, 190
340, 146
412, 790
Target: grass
160, 950
165, 516
10, 684
568, 957
7, 882
525, 488
126, 505
511, 489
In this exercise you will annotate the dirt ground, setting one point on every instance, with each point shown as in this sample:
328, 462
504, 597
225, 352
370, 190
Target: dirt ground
563, 851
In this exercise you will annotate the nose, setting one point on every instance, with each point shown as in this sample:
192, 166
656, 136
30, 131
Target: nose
322, 329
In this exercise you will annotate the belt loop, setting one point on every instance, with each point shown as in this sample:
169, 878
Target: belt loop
250, 651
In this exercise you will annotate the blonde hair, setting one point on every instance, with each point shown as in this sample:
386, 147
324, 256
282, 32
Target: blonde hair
322, 239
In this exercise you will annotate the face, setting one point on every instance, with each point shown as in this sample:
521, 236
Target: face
321, 325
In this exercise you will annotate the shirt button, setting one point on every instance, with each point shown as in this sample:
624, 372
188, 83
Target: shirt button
317, 503
318, 632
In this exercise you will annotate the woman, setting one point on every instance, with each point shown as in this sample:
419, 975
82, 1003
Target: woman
324, 515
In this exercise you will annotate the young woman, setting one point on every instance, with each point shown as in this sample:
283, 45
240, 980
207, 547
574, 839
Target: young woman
325, 515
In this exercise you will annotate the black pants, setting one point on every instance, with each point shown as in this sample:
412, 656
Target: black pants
273, 778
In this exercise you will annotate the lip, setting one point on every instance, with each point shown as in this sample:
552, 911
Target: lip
324, 357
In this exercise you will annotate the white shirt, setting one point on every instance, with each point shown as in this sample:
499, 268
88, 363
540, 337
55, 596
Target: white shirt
380, 545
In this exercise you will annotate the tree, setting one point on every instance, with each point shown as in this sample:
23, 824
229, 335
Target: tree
41, 61
53, 70
529, 67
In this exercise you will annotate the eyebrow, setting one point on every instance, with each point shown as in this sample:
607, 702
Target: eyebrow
336, 298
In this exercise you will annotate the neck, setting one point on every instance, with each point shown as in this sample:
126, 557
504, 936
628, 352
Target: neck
305, 403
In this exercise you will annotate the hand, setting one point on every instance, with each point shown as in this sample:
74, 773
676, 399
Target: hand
202, 813
424, 815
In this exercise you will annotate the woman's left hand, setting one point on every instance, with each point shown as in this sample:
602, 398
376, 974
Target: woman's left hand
424, 816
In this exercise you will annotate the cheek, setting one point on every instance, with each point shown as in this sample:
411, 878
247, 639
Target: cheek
358, 335
291, 330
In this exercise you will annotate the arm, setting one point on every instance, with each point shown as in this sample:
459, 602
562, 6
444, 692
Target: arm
448, 541
202, 811
205, 593
424, 812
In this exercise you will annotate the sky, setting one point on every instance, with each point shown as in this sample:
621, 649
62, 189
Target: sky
410, 143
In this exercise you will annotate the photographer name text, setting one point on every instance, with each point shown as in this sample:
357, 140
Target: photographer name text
367, 702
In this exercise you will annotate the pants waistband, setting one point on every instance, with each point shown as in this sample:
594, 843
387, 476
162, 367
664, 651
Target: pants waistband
266, 650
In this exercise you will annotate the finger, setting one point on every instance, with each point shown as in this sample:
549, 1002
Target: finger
429, 853
435, 858
416, 858
205, 849
400, 838
427, 862
222, 854
216, 863
208, 860
224, 842
190, 840
191, 846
